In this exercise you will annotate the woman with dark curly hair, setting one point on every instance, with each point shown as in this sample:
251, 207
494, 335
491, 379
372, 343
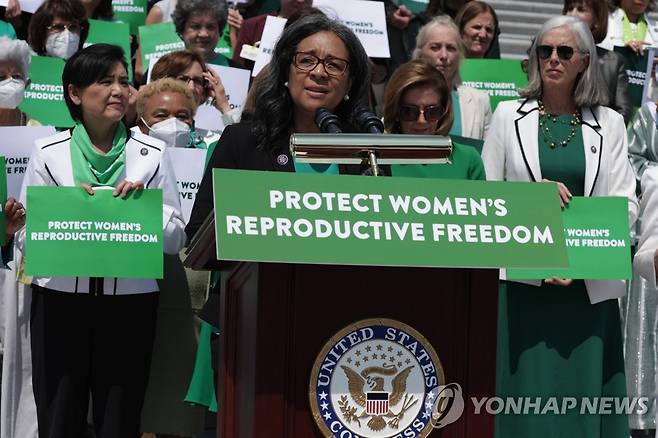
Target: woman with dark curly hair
199, 23
317, 63
58, 28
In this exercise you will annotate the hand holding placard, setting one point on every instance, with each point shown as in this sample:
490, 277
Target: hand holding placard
94, 236
14, 214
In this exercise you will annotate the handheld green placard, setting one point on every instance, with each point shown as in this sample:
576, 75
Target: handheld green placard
500, 78
70, 233
118, 33
597, 239
636, 70
44, 98
415, 6
132, 12
353, 220
156, 40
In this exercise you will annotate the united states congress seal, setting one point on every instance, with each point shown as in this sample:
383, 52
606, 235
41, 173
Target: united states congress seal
376, 378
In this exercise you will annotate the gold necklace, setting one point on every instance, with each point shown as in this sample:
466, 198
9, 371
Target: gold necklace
545, 118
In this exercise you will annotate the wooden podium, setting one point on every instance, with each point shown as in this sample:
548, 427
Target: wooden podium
275, 319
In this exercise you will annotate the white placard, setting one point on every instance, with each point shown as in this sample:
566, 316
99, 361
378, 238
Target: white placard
367, 19
26, 5
271, 33
236, 84
188, 164
16, 144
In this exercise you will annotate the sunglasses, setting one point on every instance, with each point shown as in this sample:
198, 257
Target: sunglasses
563, 52
410, 113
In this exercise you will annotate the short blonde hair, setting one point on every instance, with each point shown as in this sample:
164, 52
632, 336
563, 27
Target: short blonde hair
165, 85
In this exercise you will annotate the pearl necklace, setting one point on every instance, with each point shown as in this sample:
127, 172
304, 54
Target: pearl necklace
545, 118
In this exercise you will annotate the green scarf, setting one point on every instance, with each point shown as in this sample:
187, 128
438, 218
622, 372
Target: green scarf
93, 167
637, 34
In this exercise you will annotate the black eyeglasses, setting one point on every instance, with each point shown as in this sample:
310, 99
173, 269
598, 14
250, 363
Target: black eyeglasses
410, 113
308, 62
565, 53
199, 82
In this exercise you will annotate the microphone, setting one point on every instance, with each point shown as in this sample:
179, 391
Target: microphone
368, 121
327, 121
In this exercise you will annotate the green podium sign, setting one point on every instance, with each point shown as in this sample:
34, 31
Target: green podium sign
354, 220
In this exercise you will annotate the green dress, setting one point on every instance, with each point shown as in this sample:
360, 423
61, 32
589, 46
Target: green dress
552, 342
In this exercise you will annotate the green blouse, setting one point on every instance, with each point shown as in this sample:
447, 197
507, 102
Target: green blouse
565, 164
465, 163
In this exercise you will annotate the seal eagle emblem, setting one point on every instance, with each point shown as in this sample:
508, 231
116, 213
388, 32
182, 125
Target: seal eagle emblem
376, 378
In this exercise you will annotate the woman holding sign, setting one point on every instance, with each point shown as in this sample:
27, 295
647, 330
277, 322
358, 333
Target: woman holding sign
562, 339
95, 335
630, 26
417, 101
441, 43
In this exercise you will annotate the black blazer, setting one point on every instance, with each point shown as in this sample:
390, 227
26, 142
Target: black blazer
612, 69
236, 149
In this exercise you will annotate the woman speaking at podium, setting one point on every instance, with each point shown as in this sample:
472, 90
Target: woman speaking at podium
317, 63
562, 339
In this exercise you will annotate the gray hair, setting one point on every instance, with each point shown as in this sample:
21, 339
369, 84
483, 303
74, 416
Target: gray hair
185, 8
589, 90
17, 51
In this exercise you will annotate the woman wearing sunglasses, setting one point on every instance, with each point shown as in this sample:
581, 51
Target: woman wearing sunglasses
417, 101
562, 339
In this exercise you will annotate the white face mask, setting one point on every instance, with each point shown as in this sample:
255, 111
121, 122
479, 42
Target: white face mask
172, 131
11, 93
62, 44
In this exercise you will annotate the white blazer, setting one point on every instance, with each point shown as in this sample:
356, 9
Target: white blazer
50, 165
643, 261
615, 36
475, 111
511, 153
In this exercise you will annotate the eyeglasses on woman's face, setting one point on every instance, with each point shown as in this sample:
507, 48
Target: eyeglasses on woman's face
308, 62
58, 27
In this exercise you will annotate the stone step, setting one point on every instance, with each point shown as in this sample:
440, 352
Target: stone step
513, 48
523, 16
527, 6
527, 29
